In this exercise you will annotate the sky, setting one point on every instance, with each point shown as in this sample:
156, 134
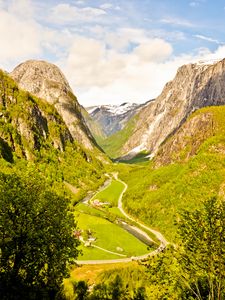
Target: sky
112, 51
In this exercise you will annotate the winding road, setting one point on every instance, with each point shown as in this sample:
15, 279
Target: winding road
159, 236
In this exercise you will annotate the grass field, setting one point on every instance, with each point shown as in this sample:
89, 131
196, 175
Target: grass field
91, 272
111, 193
108, 236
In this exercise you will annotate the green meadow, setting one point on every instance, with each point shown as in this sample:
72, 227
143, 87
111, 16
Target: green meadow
111, 193
108, 236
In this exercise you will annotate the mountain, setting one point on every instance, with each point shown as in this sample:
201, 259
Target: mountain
113, 118
33, 132
188, 168
194, 86
47, 82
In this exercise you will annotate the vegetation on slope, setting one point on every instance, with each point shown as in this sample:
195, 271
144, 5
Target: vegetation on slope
157, 195
113, 144
33, 131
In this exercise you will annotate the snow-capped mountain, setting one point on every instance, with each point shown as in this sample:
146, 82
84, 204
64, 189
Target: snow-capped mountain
112, 118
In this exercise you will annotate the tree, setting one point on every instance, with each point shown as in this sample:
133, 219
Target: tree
36, 241
140, 294
116, 288
81, 290
203, 257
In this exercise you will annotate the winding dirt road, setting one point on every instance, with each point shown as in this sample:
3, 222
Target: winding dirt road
159, 236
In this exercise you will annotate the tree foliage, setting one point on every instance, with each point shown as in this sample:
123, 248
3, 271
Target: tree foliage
196, 268
36, 241
203, 256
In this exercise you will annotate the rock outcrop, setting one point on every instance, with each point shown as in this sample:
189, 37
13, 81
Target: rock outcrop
46, 81
195, 86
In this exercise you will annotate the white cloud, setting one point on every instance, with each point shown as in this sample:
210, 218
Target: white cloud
194, 4
129, 64
21, 9
100, 75
19, 38
23, 38
177, 22
106, 6
155, 50
206, 38
65, 14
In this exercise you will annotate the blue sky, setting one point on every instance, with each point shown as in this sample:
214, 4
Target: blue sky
112, 51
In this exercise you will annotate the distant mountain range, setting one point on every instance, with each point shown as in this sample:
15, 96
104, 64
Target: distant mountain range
113, 118
194, 86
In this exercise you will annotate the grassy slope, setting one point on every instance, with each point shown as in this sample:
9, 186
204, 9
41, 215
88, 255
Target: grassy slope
113, 144
157, 195
75, 165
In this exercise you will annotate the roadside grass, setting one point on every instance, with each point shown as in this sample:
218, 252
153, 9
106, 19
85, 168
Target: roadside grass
111, 193
108, 236
114, 211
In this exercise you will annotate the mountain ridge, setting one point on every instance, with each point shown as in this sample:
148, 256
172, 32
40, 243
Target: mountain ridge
194, 86
46, 81
113, 118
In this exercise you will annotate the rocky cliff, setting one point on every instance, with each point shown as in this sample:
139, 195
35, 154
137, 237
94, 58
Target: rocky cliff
46, 81
194, 86
28, 124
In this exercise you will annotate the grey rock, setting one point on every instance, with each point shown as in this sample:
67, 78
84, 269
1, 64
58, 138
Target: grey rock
194, 86
46, 81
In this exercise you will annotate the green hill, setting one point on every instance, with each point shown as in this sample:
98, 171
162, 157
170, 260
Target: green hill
193, 171
33, 133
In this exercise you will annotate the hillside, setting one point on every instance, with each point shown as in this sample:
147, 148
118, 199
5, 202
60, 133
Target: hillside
195, 86
189, 168
113, 144
33, 132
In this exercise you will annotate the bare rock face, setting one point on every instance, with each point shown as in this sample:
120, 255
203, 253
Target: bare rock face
195, 86
46, 81
186, 141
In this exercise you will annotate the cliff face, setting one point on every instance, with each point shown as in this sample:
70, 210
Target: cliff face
28, 124
46, 81
195, 86
187, 140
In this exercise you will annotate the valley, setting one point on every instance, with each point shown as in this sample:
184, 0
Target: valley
129, 205
110, 230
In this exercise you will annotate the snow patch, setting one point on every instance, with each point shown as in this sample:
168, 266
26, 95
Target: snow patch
143, 145
91, 109
121, 109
